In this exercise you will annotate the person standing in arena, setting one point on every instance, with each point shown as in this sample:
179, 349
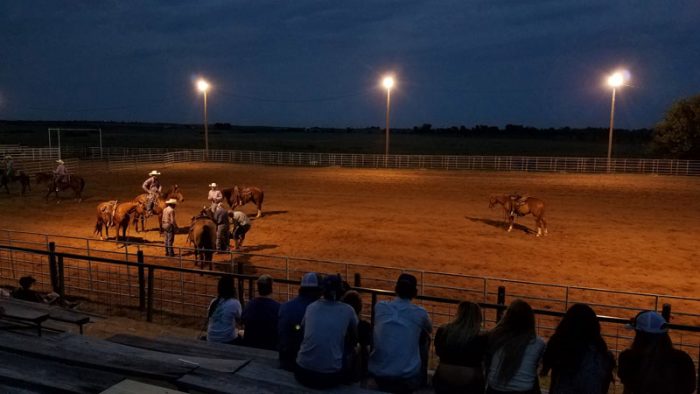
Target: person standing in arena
169, 226
241, 225
153, 187
9, 167
215, 197
222, 227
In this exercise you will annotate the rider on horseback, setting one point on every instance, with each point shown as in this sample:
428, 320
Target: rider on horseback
153, 187
215, 196
60, 175
9, 167
516, 201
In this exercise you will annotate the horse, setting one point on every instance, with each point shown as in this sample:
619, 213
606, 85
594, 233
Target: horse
158, 207
515, 205
112, 213
203, 235
21, 177
75, 183
236, 196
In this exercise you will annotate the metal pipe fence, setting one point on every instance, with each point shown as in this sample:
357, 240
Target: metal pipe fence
180, 296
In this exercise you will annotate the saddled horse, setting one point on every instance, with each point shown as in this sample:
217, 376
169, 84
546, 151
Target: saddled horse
203, 235
158, 207
74, 182
515, 205
236, 196
20, 177
113, 213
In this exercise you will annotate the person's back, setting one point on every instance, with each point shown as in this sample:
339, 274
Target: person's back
260, 321
397, 361
290, 316
652, 365
27, 295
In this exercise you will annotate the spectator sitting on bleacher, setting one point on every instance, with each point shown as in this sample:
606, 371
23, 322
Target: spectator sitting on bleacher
327, 325
260, 317
514, 352
24, 291
577, 355
461, 348
291, 313
652, 365
360, 357
224, 313
402, 330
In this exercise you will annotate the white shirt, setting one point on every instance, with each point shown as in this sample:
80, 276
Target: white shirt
398, 326
222, 323
240, 218
526, 375
215, 196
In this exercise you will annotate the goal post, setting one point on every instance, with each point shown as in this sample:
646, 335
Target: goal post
58, 137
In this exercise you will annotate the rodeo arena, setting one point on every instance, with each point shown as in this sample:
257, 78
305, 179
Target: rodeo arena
144, 270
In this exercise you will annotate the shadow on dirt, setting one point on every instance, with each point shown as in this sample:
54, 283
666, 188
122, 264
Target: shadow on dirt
269, 213
500, 224
257, 248
133, 239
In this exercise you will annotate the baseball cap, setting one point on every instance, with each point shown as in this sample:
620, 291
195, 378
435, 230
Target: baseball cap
650, 322
310, 279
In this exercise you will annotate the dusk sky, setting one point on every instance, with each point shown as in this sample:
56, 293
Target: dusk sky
311, 63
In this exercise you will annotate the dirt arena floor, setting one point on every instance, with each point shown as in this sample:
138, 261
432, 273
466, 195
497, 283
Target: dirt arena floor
621, 232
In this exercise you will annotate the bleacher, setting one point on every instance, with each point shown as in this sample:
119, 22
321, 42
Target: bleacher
70, 363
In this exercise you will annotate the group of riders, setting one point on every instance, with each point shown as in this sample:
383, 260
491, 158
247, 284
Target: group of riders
222, 217
60, 174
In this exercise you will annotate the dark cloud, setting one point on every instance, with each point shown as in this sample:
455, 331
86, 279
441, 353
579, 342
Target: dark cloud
312, 62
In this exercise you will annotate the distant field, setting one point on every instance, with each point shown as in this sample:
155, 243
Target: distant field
370, 141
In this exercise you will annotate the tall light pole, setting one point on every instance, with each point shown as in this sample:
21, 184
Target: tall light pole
616, 80
388, 83
203, 86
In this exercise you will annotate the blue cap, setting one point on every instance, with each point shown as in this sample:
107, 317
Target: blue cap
650, 322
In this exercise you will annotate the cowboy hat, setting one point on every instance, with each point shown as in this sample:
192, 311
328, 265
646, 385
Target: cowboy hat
154, 172
171, 201
213, 184
59, 161
8, 156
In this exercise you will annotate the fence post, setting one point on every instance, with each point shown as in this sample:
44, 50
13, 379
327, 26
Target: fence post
239, 270
61, 281
358, 280
53, 272
149, 310
142, 281
251, 289
374, 303
500, 301
666, 312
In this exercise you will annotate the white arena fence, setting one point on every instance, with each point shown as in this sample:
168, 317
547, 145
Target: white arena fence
123, 158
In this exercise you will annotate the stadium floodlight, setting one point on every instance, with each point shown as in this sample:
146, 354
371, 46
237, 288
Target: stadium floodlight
388, 83
615, 80
203, 86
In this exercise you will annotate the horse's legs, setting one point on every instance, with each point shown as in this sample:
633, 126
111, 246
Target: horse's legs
259, 213
511, 219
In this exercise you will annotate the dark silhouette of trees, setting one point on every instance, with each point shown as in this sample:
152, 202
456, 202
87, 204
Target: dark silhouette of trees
678, 134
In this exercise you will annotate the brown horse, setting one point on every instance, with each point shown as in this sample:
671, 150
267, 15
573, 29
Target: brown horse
203, 235
236, 196
112, 213
515, 205
21, 177
75, 183
158, 207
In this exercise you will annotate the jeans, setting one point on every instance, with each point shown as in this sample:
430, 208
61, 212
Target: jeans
169, 231
222, 233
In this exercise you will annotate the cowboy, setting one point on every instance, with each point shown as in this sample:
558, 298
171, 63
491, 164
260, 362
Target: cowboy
241, 225
9, 167
153, 187
169, 226
222, 227
215, 196
516, 200
60, 174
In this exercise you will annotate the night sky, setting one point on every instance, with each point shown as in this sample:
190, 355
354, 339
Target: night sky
312, 63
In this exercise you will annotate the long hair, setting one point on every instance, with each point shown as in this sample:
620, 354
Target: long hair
578, 330
225, 290
652, 349
466, 325
511, 336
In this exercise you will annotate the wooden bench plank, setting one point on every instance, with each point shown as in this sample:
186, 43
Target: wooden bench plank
100, 354
7, 389
55, 312
37, 375
215, 383
128, 386
268, 357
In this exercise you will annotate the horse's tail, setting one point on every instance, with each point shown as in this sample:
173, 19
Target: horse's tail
262, 197
81, 184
